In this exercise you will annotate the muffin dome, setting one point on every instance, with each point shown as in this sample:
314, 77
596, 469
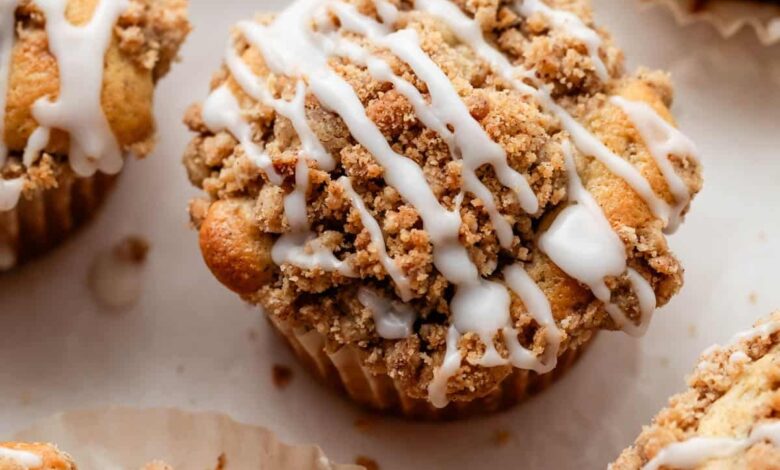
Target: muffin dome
461, 192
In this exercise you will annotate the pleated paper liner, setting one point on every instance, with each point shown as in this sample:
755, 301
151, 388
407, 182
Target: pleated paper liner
344, 371
126, 438
41, 221
731, 16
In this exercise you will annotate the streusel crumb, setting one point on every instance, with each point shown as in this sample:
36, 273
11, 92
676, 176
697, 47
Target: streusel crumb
733, 393
245, 213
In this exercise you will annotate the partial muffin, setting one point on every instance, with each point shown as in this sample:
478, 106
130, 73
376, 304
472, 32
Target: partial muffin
24, 456
728, 417
76, 92
439, 203
731, 16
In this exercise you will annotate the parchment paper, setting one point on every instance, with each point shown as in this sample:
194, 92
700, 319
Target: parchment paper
126, 439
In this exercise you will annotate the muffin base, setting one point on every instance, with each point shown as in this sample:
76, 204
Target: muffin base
41, 221
343, 371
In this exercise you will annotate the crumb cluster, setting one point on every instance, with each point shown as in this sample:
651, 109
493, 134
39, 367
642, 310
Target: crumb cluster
243, 215
728, 395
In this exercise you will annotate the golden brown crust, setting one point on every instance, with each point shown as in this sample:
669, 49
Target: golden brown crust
532, 139
52, 458
732, 390
146, 40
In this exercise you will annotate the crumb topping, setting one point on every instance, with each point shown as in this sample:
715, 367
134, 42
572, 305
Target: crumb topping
732, 392
244, 212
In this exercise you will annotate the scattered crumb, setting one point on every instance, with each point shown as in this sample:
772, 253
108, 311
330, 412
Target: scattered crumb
369, 464
364, 423
753, 298
157, 465
692, 330
221, 462
180, 369
25, 398
501, 437
253, 335
282, 376
664, 362
115, 277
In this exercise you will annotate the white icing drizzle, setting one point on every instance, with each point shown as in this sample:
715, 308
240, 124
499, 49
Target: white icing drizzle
222, 112
470, 33
10, 190
377, 238
393, 319
581, 241
26, 460
662, 140
583, 244
80, 53
571, 24
762, 331
698, 450
437, 390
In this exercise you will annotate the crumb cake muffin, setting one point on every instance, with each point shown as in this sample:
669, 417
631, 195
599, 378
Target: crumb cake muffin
728, 417
76, 84
439, 203
34, 456
22, 456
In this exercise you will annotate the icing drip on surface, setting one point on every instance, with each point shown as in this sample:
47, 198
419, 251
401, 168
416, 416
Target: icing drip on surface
10, 190
27, 460
80, 53
662, 140
698, 450
393, 319
570, 24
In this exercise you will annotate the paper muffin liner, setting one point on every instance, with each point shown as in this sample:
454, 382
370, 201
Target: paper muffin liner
127, 439
731, 16
344, 371
44, 219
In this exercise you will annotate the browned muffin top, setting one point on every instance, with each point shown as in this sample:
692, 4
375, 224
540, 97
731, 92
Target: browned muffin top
77, 85
728, 417
407, 177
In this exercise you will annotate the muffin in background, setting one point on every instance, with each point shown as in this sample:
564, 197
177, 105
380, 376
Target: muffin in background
730, 17
439, 204
728, 417
28, 456
76, 94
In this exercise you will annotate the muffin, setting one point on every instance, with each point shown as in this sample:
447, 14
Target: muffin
24, 456
21, 456
438, 204
76, 87
728, 417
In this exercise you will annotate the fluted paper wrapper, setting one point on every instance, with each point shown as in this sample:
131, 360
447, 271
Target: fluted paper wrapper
44, 219
345, 371
731, 16
127, 439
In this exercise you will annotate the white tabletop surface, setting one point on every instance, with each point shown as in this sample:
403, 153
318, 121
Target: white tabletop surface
189, 343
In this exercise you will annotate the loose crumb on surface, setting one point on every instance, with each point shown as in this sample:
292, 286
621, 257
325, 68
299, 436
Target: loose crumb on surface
221, 462
364, 423
368, 463
157, 465
753, 298
692, 330
501, 437
282, 376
